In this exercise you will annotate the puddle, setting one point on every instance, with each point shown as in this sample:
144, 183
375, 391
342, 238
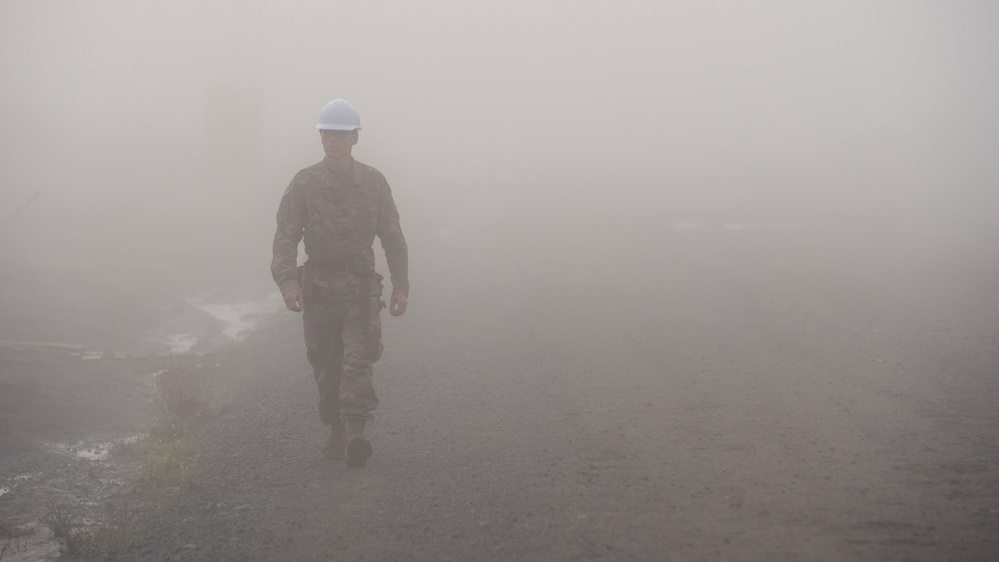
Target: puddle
90, 451
234, 318
17, 481
181, 343
237, 318
241, 317
93, 454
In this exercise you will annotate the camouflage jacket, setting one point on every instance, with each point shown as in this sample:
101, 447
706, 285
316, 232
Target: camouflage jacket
339, 223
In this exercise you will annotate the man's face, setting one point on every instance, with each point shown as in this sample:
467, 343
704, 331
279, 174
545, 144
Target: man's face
338, 144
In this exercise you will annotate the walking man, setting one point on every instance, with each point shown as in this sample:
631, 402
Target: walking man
339, 205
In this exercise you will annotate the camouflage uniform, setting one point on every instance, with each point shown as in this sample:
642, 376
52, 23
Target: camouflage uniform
339, 214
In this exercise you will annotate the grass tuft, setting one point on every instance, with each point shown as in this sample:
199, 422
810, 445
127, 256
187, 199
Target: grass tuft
61, 521
94, 542
168, 464
102, 541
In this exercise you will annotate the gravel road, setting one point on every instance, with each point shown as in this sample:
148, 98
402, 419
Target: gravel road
740, 394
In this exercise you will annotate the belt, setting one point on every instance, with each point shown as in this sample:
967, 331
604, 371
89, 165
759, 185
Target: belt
336, 266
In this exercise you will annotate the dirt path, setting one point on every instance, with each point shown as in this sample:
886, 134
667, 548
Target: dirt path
755, 398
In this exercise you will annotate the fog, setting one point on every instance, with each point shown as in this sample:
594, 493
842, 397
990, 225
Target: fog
157, 138
707, 280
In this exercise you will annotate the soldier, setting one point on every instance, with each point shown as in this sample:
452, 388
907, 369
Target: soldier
339, 205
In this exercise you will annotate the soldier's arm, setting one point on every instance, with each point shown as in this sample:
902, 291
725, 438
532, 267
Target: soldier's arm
290, 229
393, 243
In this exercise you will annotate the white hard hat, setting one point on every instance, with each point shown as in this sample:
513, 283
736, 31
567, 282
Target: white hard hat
339, 115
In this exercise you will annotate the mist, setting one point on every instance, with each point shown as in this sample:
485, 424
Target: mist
160, 137
692, 281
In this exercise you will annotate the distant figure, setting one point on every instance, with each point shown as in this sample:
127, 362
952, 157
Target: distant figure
339, 205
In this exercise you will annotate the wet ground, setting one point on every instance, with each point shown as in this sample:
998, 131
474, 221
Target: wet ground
62, 408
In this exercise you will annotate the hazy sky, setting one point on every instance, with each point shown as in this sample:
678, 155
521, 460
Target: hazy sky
172, 128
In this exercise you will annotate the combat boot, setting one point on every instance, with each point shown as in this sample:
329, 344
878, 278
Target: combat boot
358, 448
335, 443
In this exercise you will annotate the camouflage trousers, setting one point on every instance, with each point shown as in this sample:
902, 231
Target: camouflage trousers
343, 339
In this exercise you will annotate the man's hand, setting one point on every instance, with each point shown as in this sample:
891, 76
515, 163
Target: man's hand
398, 305
293, 300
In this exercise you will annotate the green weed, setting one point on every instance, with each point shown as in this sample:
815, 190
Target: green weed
169, 464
